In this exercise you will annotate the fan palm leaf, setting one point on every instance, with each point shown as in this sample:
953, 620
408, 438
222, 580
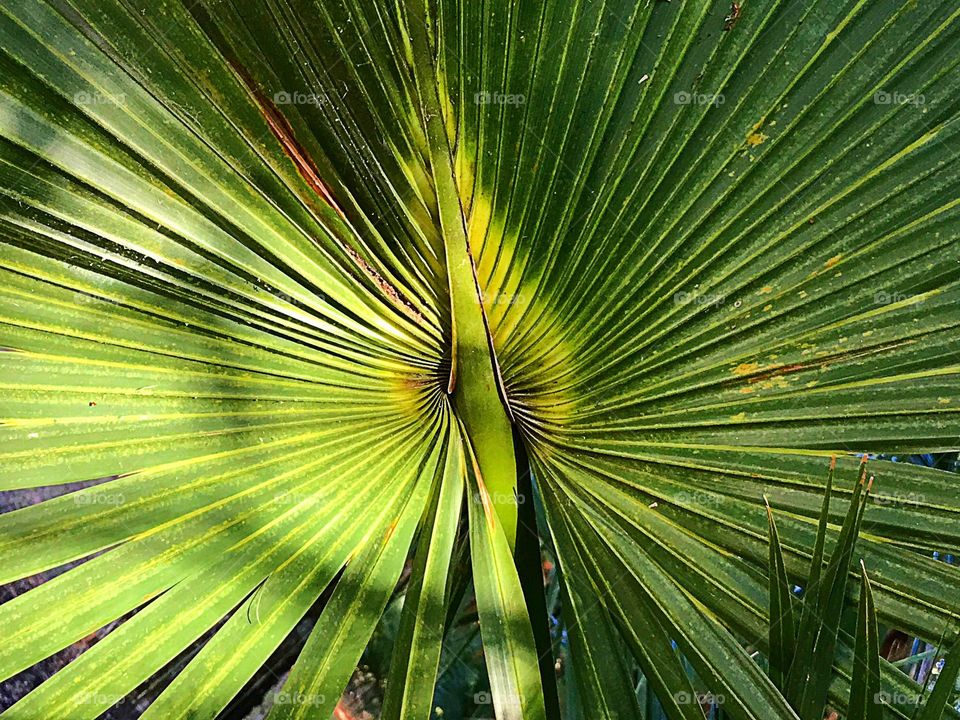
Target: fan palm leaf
299, 279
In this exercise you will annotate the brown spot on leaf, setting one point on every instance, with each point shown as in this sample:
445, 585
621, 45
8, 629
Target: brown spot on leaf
385, 287
730, 21
308, 170
777, 372
484, 496
283, 131
745, 368
390, 531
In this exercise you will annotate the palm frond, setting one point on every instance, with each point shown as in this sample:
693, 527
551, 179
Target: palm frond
296, 278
